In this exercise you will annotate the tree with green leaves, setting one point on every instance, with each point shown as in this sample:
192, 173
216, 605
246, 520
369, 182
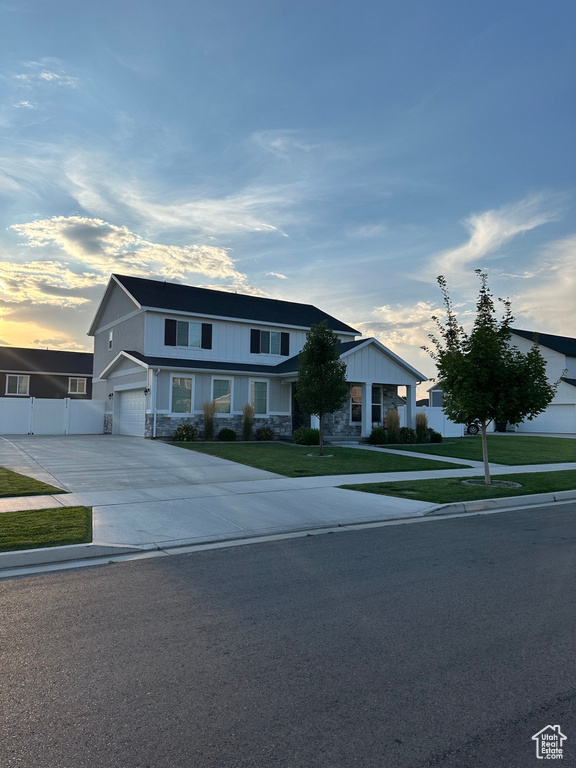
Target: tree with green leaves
484, 377
322, 387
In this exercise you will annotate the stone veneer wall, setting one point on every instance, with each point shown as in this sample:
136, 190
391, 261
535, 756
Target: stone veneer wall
166, 425
108, 421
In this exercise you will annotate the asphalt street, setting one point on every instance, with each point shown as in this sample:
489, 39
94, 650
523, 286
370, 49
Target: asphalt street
445, 643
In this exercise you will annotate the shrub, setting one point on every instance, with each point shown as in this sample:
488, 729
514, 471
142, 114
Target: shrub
421, 427
248, 423
209, 409
393, 426
227, 435
407, 435
377, 436
306, 436
435, 437
265, 433
185, 433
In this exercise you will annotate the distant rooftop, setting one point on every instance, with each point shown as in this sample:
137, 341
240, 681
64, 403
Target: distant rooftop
562, 344
24, 360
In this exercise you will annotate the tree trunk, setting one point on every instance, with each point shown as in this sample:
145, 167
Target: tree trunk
485, 455
321, 434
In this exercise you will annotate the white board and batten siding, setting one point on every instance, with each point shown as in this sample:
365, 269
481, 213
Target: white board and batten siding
46, 416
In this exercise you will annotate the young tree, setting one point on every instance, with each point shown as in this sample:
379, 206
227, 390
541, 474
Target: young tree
483, 376
322, 386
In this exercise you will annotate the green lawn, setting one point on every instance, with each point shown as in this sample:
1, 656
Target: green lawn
13, 484
446, 491
503, 449
293, 461
45, 528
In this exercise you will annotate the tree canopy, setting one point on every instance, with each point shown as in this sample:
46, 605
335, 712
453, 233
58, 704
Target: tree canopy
322, 387
484, 377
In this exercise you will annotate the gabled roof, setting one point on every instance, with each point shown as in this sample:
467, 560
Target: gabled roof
291, 365
30, 360
562, 344
173, 297
572, 382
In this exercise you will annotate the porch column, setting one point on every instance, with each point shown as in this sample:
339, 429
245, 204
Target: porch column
366, 408
411, 405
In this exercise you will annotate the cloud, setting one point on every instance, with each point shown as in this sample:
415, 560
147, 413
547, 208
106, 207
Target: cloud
491, 230
547, 297
104, 247
276, 274
24, 105
367, 231
45, 72
44, 282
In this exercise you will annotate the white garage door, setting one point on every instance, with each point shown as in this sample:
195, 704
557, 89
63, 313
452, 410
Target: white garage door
132, 411
556, 418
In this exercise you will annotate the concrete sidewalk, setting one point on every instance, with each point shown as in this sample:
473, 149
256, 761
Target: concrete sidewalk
159, 496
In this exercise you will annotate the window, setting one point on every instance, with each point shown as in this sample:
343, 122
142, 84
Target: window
17, 385
181, 394
259, 396
376, 404
77, 386
356, 404
269, 342
222, 394
181, 333
110, 339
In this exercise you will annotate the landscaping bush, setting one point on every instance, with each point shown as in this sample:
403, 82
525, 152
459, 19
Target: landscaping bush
377, 436
435, 437
185, 433
248, 423
393, 426
227, 435
265, 433
209, 409
306, 436
422, 427
407, 435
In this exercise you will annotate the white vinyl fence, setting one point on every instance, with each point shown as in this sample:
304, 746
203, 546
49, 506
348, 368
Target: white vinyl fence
437, 420
44, 416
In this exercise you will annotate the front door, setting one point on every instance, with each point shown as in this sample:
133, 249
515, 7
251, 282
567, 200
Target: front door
299, 419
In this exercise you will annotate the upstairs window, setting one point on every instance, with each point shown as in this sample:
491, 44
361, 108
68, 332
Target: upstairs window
181, 333
110, 339
17, 385
269, 342
76, 386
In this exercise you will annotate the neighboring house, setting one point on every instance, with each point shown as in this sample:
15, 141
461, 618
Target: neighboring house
560, 355
45, 373
436, 396
161, 350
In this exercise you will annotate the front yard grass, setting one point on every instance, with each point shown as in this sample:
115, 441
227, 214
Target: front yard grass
502, 449
448, 490
14, 484
34, 528
293, 460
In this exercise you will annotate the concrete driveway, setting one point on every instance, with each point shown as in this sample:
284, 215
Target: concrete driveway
86, 463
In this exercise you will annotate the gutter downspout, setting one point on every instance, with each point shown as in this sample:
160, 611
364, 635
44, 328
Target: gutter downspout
155, 373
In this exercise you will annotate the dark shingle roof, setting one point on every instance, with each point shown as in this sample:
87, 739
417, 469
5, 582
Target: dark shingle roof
562, 344
291, 365
210, 365
22, 359
572, 382
204, 301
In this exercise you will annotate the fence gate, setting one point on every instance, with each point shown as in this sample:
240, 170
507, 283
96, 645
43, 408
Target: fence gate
45, 416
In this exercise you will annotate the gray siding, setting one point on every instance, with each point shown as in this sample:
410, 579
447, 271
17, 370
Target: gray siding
118, 305
128, 335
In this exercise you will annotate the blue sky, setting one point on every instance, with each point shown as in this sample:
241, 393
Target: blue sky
337, 153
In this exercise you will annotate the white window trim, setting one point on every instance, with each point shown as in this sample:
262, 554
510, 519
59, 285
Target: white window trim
188, 346
77, 379
263, 381
192, 391
231, 380
18, 376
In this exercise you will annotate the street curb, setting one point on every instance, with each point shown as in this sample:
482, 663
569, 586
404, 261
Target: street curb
24, 558
507, 502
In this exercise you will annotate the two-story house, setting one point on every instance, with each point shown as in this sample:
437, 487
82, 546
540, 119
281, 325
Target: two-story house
162, 350
45, 373
559, 352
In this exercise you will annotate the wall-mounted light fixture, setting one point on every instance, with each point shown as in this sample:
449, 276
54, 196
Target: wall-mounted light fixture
147, 391
111, 395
